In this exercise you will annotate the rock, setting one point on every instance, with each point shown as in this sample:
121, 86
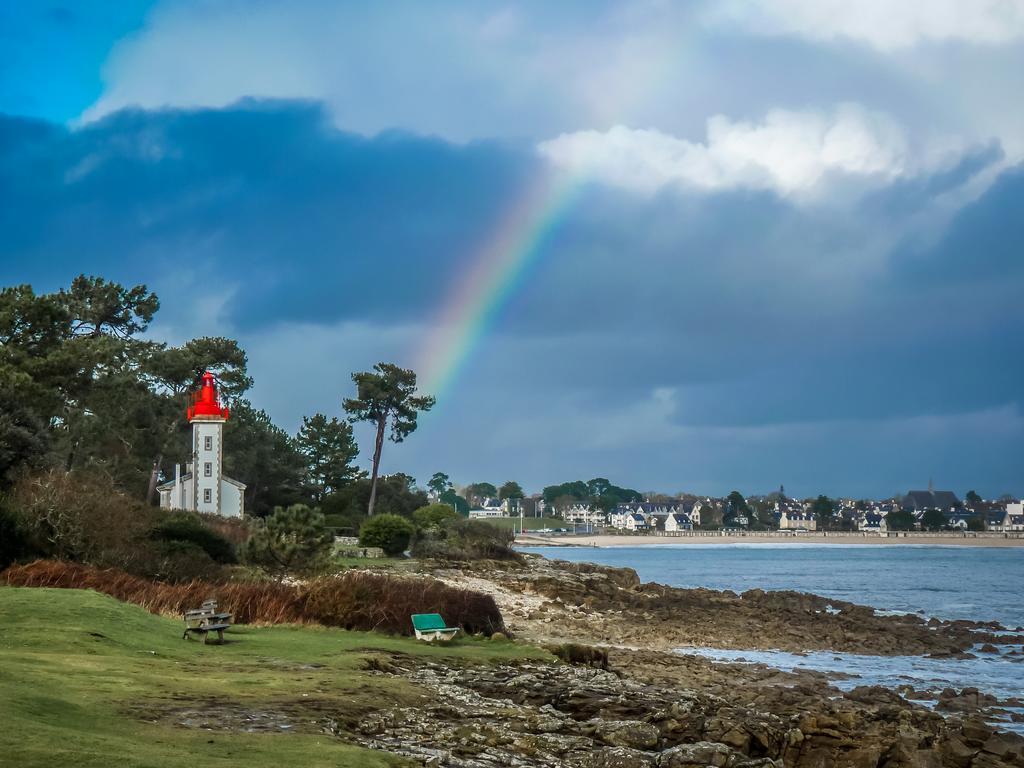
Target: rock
975, 731
627, 733
699, 755
615, 757
499, 636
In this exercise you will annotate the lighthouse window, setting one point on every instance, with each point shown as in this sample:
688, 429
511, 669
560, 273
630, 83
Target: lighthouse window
208, 469
208, 443
207, 495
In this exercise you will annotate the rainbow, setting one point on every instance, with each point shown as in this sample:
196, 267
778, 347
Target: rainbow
474, 305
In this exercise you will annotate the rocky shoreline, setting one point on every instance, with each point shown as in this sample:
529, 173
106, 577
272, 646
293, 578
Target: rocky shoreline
552, 600
626, 700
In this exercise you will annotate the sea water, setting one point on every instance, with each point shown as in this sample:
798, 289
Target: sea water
948, 582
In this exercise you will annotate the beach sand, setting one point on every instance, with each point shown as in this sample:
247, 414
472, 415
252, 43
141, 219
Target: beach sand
618, 540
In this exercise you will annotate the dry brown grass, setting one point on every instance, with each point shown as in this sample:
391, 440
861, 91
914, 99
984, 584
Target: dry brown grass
354, 600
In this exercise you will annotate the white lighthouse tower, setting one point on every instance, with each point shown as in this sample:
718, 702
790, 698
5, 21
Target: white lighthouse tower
203, 487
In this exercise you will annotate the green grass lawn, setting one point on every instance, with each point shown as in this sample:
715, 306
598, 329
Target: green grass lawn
529, 523
86, 680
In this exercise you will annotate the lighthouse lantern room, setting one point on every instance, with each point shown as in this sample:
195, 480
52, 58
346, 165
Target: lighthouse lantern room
203, 487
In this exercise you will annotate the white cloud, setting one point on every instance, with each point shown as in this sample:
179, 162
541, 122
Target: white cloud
791, 152
883, 24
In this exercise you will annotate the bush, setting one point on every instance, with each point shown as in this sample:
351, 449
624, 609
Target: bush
83, 517
358, 600
433, 515
389, 532
188, 528
14, 542
292, 540
581, 655
466, 540
179, 562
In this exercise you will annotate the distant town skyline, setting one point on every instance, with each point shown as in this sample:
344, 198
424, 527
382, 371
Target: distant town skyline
708, 246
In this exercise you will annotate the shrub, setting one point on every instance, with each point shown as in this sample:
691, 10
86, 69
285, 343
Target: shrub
433, 515
358, 600
178, 561
290, 540
581, 655
82, 516
466, 540
389, 532
14, 542
188, 528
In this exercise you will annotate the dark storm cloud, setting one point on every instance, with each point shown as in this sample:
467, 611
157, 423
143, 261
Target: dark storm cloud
310, 223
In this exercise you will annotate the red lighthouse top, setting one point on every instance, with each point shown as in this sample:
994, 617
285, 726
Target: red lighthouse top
205, 401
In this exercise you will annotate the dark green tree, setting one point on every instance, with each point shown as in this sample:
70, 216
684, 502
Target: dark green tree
934, 520
439, 483
389, 532
823, 509
972, 499
265, 458
475, 493
291, 540
433, 515
386, 396
330, 449
900, 520
23, 437
511, 490
348, 505
736, 506
456, 502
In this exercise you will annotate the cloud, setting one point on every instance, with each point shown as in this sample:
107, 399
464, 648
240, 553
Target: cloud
677, 340
882, 24
794, 153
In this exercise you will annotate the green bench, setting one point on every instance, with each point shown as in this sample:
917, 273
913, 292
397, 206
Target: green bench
431, 627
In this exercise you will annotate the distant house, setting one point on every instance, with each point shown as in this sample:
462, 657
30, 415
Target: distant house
492, 505
475, 513
1011, 518
873, 522
636, 522
959, 519
677, 522
920, 501
791, 519
521, 507
581, 512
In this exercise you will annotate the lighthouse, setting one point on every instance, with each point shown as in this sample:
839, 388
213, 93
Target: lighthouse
203, 487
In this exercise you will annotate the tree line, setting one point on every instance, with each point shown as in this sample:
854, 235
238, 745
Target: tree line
82, 388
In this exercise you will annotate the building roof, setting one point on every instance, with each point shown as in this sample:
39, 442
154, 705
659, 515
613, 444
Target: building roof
931, 500
188, 476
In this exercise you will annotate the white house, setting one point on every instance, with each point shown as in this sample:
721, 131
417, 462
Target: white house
678, 522
872, 522
474, 513
636, 522
790, 519
203, 487
1012, 519
493, 505
581, 512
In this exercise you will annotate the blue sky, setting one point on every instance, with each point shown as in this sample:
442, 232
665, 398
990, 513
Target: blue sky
797, 256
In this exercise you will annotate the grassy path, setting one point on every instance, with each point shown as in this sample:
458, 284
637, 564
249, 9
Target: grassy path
86, 680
